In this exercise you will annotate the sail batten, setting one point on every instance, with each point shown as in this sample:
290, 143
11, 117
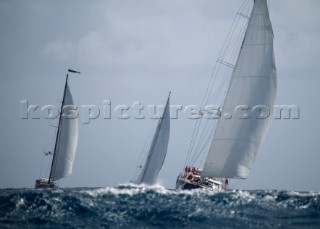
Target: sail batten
236, 141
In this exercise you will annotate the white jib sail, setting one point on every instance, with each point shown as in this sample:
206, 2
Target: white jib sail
237, 140
67, 142
158, 149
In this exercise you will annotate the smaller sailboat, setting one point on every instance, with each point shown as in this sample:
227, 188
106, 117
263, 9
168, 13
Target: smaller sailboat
158, 149
65, 143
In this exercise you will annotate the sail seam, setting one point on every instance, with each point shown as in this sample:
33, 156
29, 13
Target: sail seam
257, 44
235, 139
254, 76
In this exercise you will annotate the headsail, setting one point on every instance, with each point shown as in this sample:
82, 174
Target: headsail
158, 149
66, 144
236, 141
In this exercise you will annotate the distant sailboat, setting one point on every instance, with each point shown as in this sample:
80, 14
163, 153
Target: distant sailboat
65, 144
158, 150
236, 141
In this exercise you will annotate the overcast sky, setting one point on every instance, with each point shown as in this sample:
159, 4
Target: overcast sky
138, 51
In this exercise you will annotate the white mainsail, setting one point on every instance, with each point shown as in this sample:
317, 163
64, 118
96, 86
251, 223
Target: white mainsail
66, 144
158, 149
236, 141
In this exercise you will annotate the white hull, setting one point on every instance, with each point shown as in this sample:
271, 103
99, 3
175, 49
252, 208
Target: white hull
185, 183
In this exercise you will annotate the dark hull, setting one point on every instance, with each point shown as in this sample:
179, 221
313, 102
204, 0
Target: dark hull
44, 183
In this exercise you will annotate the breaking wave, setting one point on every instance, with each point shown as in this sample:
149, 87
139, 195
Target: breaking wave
131, 206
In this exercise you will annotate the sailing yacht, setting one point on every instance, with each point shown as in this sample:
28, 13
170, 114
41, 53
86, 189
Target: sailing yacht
157, 151
236, 141
65, 143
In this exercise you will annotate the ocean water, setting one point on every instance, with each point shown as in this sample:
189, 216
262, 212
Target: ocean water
155, 207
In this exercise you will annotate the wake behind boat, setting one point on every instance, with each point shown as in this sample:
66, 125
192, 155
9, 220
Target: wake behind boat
65, 143
236, 140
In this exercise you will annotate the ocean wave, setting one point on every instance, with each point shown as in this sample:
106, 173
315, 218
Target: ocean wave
139, 206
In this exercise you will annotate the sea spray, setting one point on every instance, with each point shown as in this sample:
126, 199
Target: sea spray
132, 206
